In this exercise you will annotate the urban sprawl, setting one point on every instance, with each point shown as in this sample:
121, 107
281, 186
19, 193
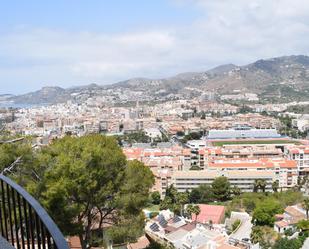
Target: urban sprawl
189, 143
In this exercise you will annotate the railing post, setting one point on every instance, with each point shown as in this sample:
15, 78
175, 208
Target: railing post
32, 220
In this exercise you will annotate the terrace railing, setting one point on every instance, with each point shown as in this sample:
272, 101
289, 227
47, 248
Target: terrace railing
24, 223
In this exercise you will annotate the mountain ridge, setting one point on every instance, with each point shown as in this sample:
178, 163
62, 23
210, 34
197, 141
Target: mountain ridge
274, 77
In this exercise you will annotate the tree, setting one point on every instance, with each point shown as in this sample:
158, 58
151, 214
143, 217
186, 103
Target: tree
221, 188
10, 152
87, 181
195, 196
259, 184
155, 197
193, 209
275, 186
303, 225
235, 191
173, 200
133, 197
306, 207
263, 214
201, 194
155, 245
190, 210
180, 133
265, 236
285, 243
256, 234
196, 210
182, 199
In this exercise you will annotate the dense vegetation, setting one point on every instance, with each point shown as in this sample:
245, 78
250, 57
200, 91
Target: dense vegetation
301, 109
85, 183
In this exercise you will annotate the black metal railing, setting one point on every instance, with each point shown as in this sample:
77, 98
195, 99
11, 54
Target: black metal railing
24, 222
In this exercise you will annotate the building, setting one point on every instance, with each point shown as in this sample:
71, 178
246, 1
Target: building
288, 220
243, 179
210, 213
300, 154
242, 132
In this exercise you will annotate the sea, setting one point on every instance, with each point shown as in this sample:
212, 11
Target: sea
5, 105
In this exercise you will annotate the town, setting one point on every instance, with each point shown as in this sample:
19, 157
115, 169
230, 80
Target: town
189, 145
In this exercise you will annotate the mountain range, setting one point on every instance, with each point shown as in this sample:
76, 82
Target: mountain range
283, 78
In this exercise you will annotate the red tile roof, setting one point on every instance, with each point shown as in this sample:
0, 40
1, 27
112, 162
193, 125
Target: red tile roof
215, 213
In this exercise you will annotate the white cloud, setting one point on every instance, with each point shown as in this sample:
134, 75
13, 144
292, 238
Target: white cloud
227, 31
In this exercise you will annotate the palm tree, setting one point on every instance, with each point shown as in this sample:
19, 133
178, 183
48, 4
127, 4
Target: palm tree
190, 210
263, 185
182, 199
306, 207
255, 186
236, 191
196, 211
259, 184
275, 186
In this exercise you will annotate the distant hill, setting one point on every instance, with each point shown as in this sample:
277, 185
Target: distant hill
279, 79
285, 78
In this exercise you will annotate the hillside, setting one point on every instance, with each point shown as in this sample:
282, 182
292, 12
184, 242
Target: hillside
277, 79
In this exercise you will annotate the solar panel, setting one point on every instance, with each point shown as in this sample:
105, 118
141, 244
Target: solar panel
162, 221
176, 219
154, 227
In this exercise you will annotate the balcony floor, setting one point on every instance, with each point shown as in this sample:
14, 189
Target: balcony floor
4, 244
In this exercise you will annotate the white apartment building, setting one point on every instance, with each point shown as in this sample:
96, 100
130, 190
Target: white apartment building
188, 180
301, 155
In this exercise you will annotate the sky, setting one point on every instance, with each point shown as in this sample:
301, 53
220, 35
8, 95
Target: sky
77, 42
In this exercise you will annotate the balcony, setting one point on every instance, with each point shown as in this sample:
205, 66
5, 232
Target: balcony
24, 223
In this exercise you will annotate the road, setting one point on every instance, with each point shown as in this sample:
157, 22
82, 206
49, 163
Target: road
243, 231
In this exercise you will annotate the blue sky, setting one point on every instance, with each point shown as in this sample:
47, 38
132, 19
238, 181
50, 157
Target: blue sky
74, 42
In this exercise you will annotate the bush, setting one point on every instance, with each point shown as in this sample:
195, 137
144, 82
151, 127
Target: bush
235, 225
155, 198
153, 214
263, 214
288, 232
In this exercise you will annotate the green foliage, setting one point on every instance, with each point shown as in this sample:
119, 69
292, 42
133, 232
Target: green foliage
174, 200
235, 191
235, 225
9, 152
195, 167
264, 235
155, 198
153, 214
303, 225
285, 243
306, 207
288, 232
86, 181
263, 214
180, 133
221, 188
248, 201
259, 184
137, 137
127, 229
193, 209
288, 129
155, 245
201, 194
192, 136
245, 109
301, 109
275, 186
